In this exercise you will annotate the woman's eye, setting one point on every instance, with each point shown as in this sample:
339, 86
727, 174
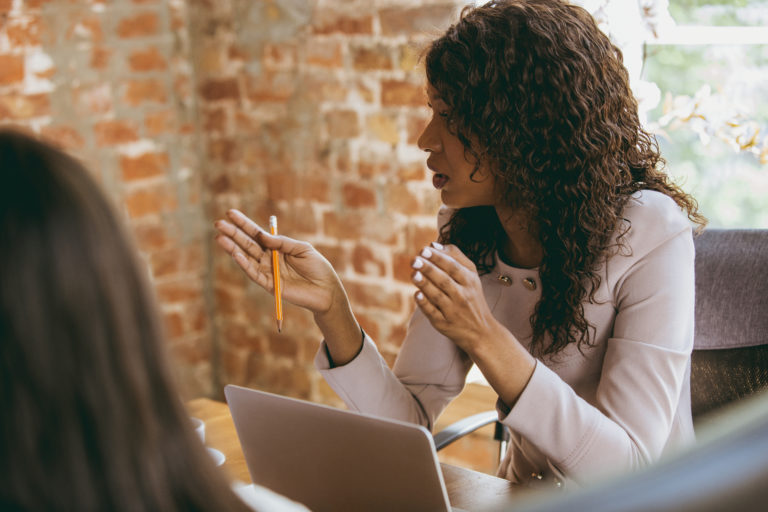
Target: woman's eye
443, 114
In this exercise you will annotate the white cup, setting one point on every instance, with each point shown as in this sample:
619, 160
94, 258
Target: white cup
199, 426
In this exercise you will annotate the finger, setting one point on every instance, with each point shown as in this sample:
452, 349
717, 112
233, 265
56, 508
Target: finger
441, 279
433, 293
433, 314
455, 253
446, 263
266, 240
239, 237
262, 275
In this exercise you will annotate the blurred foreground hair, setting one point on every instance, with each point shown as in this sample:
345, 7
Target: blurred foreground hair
91, 419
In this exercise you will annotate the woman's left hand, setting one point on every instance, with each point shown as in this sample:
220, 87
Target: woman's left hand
451, 296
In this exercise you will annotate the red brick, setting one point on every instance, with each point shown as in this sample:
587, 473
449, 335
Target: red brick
335, 254
145, 91
279, 56
191, 350
271, 86
20, 106
148, 59
100, 57
141, 25
179, 290
412, 171
370, 324
159, 122
214, 120
24, 31
235, 335
365, 261
400, 93
383, 127
109, 133
173, 322
149, 201
165, 263
401, 266
358, 196
283, 345
342, 124
223, 89
5, 6
401, 199
420, 236
11, 69
65, 137
224, 150
417, 20
144, 166
370, 295
329, 22
325, 54
369, 58
151, 237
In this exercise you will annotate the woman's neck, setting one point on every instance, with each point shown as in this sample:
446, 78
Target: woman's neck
522, 247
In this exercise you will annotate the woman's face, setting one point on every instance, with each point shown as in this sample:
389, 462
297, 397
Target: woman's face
450, 162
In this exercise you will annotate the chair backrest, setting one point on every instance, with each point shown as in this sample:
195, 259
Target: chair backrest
730, 357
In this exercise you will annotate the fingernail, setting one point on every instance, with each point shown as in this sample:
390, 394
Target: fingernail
438, 246
418, 277
426, 253
417, 263
419, 296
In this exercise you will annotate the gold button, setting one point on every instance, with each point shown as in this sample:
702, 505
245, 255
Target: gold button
505, 280
529, 283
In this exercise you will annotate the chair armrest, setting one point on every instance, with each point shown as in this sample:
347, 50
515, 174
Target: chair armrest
463, 427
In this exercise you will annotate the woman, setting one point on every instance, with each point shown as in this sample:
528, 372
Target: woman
565, 264
91, 418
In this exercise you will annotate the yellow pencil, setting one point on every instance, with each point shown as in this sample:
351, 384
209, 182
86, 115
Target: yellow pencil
276, 277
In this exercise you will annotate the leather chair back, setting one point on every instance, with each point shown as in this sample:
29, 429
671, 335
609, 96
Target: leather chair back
730, 356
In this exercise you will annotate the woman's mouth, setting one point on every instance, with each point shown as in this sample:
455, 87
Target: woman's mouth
439, 180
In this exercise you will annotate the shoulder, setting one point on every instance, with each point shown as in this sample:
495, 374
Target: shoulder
650, 219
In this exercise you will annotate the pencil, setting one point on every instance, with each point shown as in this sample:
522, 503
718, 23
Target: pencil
276, 277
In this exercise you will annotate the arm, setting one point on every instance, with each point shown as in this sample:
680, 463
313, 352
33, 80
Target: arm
308, 279
642, 376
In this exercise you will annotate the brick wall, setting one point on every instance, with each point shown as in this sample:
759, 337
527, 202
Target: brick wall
307, 109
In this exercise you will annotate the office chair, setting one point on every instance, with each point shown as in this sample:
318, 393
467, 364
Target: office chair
730, 353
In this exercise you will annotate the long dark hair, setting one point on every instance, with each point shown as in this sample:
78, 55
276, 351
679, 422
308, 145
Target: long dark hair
91, 419
547, 98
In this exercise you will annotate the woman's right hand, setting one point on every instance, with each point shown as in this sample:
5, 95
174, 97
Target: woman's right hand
308, 279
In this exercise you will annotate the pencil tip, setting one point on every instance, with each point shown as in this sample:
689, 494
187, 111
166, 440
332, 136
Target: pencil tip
279, 326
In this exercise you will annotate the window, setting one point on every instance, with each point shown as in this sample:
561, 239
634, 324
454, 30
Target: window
711, 68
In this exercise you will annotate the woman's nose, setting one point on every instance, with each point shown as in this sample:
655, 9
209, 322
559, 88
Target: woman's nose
429, 140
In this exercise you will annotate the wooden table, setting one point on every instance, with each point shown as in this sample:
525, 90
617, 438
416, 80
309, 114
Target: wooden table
469, 490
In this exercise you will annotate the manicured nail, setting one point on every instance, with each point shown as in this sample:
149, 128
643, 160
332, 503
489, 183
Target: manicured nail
417, 263
438, 246
419, 296
426, 253
418, 277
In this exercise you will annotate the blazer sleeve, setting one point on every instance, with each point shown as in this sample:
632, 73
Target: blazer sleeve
428, 373
644, 367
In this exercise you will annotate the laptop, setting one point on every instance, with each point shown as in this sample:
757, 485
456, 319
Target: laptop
334, 460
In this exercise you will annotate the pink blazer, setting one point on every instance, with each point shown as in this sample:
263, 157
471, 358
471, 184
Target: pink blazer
617, 406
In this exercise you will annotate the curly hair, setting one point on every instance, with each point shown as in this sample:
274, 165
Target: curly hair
544, 98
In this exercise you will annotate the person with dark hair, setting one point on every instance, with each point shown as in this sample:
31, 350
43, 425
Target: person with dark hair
564, 266
92, 419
